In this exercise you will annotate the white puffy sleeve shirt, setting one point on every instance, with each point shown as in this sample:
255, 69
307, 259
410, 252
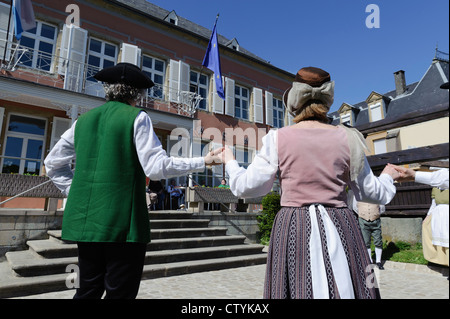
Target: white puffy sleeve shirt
157, 165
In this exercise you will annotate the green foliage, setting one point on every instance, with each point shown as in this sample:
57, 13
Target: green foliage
404, 252
271, 206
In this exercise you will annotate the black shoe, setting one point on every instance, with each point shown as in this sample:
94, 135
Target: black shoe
380, 266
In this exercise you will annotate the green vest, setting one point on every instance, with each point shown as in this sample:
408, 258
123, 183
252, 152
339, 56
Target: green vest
107, 200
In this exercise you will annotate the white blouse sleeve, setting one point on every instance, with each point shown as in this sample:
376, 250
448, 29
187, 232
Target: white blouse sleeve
434, 179
257, 180
58, 163
369, 188
153, 158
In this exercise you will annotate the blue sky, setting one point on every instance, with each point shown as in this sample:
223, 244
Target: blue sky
332, 34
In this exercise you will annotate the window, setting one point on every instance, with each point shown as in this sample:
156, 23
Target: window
346, 119
278, 113
380, 146
376, 113
241, 102
24, 145
155, 69
199, 84
41, 44
101, 55
244, 156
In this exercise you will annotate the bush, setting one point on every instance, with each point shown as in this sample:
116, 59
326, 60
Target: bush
271, 206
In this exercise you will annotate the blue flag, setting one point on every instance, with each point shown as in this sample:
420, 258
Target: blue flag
212, 62
23, 16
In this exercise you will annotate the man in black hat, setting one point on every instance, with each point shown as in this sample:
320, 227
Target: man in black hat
106, 212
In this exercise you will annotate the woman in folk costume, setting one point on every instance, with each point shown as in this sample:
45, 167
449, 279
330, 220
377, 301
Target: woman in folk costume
106, 214
316, 247
435, 227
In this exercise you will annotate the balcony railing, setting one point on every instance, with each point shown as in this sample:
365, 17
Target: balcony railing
51, 70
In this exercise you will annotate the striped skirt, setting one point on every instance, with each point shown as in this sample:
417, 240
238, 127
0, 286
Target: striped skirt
318, 253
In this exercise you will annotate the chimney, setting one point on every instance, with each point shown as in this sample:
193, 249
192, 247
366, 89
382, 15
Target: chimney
400, 82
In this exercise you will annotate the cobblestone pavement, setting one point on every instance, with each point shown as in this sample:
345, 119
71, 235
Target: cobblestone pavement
397, 281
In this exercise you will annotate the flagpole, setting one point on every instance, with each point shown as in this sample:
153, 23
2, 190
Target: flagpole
201, 70
7, 33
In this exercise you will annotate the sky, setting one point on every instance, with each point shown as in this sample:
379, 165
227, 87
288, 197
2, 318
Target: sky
332, 35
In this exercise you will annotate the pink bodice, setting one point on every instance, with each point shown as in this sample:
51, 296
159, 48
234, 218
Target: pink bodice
314, 166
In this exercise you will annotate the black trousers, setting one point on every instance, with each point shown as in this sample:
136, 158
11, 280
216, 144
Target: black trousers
112, 267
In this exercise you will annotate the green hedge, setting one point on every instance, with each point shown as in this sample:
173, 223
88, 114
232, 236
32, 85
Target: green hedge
271, 206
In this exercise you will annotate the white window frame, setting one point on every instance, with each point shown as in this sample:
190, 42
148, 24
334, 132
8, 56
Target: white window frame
26, 137
35, 54
93, 87
196, 87
158, 90
238, 113
277, 107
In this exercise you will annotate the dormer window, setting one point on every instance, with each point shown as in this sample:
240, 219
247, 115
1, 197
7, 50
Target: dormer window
172, 18
376, 107
346, 113
233, 44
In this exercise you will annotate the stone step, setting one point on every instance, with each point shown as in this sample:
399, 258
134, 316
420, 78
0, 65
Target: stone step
28, 264
179, 223
18, 287
165, 233
187, 232
54, 248
170, 214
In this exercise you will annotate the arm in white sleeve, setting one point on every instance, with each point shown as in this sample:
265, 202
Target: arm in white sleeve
371, 189
434, 179
154, 160
58, 163
257, 180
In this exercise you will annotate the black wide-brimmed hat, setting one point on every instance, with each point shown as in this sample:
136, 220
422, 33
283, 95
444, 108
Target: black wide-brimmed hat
445, 86
125, 73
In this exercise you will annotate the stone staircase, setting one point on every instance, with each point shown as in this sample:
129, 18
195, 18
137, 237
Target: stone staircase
180, 245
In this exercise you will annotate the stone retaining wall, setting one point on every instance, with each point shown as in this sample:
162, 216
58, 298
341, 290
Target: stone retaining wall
19, 226
239, 223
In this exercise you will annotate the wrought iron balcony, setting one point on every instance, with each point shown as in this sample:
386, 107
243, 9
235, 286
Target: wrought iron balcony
40, 67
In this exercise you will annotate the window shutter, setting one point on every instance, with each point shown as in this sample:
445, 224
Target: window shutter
174, 80
258, 105
218, 103
185, 74
59, 127
269, 108
73, 57
131, 54
2, 113
4, 15
229, 97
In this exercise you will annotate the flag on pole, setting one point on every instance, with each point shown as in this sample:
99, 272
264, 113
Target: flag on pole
23, 16
212, 61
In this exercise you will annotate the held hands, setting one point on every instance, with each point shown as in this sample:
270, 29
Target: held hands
399, 173
405, 174
227, 155
214, 158
220, 156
